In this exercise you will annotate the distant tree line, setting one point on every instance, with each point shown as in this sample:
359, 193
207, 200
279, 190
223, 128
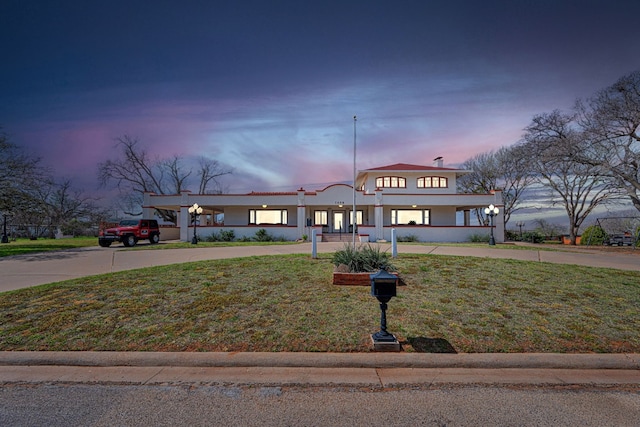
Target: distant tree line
583, 158
34, 203
37, 205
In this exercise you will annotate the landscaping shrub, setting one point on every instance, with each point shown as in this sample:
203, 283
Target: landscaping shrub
479, 238
224, 236
409, 238
512, 236
262, 236
227, 235
213, 237
532, 237
593, 235
362, 259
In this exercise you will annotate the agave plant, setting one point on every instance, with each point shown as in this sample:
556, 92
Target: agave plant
362, 259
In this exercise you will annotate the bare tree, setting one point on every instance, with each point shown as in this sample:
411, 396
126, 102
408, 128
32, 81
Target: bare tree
136, 172
176, 175
133, 171
552, 143
506, 169
611, 119
21, 177
65, 205
209, 172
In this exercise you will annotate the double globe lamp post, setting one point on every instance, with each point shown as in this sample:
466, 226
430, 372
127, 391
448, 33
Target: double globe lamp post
195, 210
491, 211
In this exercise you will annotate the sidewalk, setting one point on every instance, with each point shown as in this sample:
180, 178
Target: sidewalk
375, 370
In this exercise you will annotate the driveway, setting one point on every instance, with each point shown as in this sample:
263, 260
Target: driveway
23, 271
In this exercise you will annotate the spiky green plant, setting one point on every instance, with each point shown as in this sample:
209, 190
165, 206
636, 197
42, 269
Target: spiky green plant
363, 259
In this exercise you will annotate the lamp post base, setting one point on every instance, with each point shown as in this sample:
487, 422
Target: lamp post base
385, 342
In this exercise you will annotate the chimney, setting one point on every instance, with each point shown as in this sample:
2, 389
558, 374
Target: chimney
438, 162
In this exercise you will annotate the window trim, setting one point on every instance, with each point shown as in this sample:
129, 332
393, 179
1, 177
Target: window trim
387, 181
253, 214
426, 216
323, 212
359, 216
421, 182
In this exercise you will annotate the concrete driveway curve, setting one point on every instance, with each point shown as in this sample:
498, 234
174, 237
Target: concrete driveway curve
22, 271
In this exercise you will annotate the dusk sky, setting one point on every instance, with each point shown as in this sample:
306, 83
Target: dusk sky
270, 88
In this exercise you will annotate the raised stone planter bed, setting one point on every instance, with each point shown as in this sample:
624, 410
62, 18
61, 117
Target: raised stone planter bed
353, 279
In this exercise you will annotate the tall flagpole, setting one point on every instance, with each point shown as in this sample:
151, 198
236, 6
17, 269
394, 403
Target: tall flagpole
353, 212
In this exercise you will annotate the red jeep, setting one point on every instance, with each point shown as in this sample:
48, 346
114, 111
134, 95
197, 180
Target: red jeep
129, 231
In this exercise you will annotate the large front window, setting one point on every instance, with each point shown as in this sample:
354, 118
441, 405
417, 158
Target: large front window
321, 218
270, 216
410, 216
358, 217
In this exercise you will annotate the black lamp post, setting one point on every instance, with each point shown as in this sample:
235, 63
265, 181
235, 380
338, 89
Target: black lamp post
5, 238
491, 211
195, 210
520, 224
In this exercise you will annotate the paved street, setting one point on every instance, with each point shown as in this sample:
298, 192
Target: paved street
229, 405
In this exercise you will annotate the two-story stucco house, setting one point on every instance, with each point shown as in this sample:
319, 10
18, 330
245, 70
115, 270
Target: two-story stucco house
419, 201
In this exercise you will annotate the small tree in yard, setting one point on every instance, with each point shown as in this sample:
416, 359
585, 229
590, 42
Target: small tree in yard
593, 235
611, 119
553, 143
506, 169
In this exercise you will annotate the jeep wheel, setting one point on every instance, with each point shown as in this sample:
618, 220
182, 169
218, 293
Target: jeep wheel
155, 238
104, 243
130, 241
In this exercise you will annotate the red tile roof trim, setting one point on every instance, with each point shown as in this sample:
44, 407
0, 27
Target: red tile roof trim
273, 193
407, 167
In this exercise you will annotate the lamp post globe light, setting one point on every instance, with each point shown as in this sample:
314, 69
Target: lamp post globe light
491, 211
195, 210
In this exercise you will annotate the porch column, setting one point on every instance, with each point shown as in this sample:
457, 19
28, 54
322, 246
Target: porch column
498, 221
302, 210
184, 219
379, 215
147, 209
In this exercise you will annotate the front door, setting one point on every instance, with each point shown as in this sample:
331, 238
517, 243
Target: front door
339, 224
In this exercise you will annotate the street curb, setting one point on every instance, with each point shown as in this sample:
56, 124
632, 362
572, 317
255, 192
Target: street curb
323, 360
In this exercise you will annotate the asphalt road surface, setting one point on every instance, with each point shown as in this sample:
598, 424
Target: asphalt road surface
189, 404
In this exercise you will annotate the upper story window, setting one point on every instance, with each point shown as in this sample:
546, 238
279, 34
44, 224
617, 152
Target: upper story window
432, 182
391, 182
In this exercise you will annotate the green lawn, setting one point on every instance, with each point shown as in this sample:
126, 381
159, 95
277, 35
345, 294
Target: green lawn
288, 303
26, 246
